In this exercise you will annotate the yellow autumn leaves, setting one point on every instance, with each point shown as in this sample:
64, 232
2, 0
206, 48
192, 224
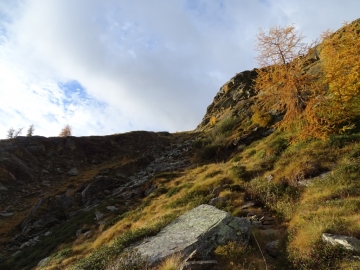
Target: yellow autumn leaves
316, 104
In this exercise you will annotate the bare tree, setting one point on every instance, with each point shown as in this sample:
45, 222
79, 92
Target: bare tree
66, 131
12, 133
30, 131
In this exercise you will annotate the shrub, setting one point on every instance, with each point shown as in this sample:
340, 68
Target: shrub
262, 119
226, 124
240, 173
213, 120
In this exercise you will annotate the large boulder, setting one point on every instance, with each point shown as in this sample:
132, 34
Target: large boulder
201, 229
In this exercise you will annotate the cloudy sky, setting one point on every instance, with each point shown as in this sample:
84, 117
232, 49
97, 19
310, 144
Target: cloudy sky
112, 66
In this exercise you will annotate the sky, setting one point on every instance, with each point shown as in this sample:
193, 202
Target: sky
113, 66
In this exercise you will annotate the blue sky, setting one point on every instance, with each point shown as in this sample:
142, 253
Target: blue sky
106, 67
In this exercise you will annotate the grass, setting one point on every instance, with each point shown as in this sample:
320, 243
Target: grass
329, 204
171, 263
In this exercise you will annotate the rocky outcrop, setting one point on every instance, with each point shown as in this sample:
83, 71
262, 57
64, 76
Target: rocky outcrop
234, 94
202, 229
347, 242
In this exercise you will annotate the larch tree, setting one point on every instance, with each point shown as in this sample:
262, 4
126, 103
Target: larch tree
336, 108
66, 131
30, 131
282, 84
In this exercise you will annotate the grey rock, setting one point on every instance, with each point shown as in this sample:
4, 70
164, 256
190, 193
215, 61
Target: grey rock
272, 248
5, 214
79, 232
98, 215
73, 172
347, 242
16, 253
200, 265
219, 200
43, 261
26, 244
45, 183
202, 229
3, 188
88, 234
247, 204
111, 208
66, 201
216, 191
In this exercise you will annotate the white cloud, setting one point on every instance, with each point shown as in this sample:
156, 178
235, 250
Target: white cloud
153, 65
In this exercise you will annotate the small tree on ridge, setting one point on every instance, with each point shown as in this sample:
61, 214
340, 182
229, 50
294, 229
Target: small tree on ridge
66, 131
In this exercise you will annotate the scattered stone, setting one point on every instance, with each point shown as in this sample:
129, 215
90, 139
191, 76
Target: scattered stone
16, 253
79, 232
266, 218
248, 204
347, 242
73, 172
202, 229
219, 200
272, 248
111, 208
45, 183
216, 191
44, 171
47, 233
88, 234
43, 261
200, 265
5, 214
98, 215
26, 244
3, 188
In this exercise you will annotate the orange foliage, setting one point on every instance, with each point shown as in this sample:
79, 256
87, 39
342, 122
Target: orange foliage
66, 131
283, 86
316, 105
336, 107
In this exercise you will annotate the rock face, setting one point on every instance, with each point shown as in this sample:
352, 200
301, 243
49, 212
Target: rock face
347, 242
237, 91
201, 229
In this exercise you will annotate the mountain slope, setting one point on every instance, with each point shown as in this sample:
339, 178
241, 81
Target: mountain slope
78, 202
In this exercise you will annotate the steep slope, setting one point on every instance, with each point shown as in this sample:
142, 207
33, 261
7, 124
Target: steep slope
77, 203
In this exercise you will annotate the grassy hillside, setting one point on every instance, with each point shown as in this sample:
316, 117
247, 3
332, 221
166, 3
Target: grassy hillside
310, 187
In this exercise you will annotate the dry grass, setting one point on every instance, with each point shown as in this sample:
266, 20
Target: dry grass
171, 263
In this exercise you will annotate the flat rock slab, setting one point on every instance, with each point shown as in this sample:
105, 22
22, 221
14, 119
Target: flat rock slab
201, 229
